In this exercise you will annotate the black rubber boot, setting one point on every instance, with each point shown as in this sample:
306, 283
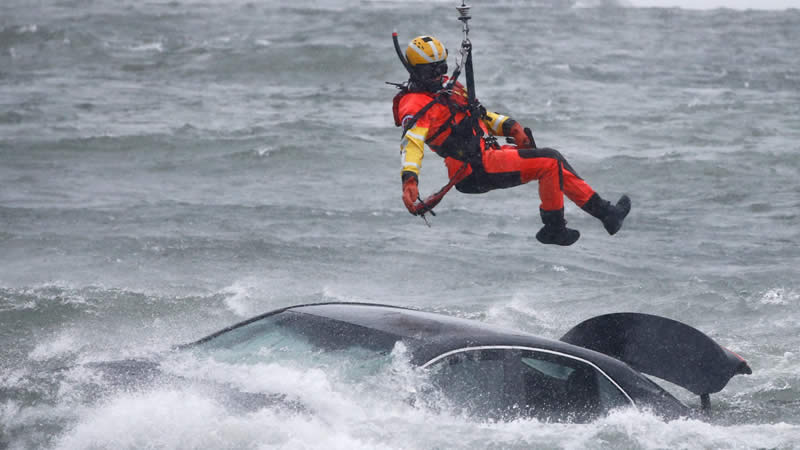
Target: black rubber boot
555, 229
611, 215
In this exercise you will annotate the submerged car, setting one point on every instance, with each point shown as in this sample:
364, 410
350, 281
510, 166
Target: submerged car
597, 366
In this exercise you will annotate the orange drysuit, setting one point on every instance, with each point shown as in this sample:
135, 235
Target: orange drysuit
442, 121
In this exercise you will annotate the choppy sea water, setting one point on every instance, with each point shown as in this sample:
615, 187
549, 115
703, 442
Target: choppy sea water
170, 168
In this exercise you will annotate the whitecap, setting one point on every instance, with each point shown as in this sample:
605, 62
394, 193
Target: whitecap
32, 28
238, 297
149, 47
63, 344
779, 296
264, 151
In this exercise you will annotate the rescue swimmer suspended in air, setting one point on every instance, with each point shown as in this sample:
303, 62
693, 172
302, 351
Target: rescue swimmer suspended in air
438, 111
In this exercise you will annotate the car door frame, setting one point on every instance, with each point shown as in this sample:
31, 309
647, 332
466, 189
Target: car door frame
534, 349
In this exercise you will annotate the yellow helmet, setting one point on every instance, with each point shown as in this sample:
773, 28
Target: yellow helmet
425, 50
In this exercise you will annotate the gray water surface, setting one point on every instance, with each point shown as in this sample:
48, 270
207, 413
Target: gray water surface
170, 168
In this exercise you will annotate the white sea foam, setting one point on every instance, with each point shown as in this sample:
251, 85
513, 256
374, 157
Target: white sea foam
264, 151
149, 47
64, 343
780, 296
525, 312
238, 298
188, 418
252, 295
32, 28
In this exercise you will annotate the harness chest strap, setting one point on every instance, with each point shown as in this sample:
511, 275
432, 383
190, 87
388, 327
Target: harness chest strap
451, 125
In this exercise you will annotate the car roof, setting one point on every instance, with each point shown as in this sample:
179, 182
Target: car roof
429, 334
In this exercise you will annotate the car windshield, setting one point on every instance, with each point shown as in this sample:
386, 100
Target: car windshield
299, 339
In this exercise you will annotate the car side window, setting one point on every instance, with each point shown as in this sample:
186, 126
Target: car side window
472, 382
510, 383
564, 388
611, 396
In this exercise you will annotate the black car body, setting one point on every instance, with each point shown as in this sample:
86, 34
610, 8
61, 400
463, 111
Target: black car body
501, 374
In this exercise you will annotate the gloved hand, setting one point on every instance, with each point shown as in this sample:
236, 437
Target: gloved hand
429, 203
520, 137
410, 194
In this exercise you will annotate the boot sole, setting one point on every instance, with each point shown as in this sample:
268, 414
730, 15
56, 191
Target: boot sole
567, 240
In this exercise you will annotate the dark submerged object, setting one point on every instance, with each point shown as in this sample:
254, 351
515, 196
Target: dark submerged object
661, 347
503, 374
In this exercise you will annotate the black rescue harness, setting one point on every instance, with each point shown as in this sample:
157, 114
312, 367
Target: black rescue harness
463, 142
